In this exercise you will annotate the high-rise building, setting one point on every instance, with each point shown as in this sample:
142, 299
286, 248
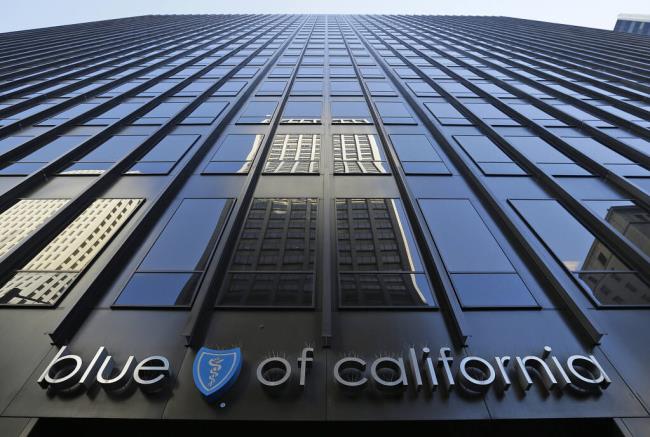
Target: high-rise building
324, 218
633, 23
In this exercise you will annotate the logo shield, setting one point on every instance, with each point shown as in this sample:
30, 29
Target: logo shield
216, 370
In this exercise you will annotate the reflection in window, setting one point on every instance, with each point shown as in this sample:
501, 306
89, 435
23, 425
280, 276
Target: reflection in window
294, 153
546, 156
307, 88
480, 271
630, 220
301, 112
345, 88
272, 88
40, 157
605, 276
169, 273
274, 261
105, 155
205, 113
358, 154
23, 217
234, 155
163, 156
350, 112
47, 276
446, 114
417, 155
379, 264
394, 113
257, 112
488, 156
607, 157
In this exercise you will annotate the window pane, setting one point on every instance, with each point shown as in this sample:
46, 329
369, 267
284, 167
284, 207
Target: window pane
274, 260
47, 276
379, 263
182, 244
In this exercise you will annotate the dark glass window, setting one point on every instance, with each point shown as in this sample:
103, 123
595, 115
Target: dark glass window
417, 155
302, 112
164, 155
105, 155
38, 158
380, 88
230, 88
345, 88
350, 112
379, 264
607, 279
488, 156
480, 271
394, 113
257, 112
272, 88
169, 272
234, 155
205, 113
307, 88
547, 157
606, 156
273, 264
10, 143
446, 114
118, 112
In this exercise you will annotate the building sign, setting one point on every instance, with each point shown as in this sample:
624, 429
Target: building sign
66, 372
215, 371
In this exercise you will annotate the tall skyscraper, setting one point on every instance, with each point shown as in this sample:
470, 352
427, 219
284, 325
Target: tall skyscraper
324, 218
633, 23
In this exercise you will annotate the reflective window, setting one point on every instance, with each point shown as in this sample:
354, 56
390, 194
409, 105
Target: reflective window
105, 155
230, 88
350, 112
168, 274
205, 113
379, 263
608, 157
358, 154
49, 275
257, 112
380, 88
394, 113
345, 88
234, 155
272, 88
417, 155
307, 88
602, 274
40, 157
294, 154
273, 264
630, 220
446, 114
480, 271
488, 156
546, 156
302, 112
164, 155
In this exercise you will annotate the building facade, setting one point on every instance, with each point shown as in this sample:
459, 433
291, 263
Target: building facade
633, 23
324, 218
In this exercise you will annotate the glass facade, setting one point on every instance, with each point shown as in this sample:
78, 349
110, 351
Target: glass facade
336, 171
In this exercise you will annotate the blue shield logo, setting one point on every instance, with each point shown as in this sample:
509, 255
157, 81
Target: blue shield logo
216, 370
